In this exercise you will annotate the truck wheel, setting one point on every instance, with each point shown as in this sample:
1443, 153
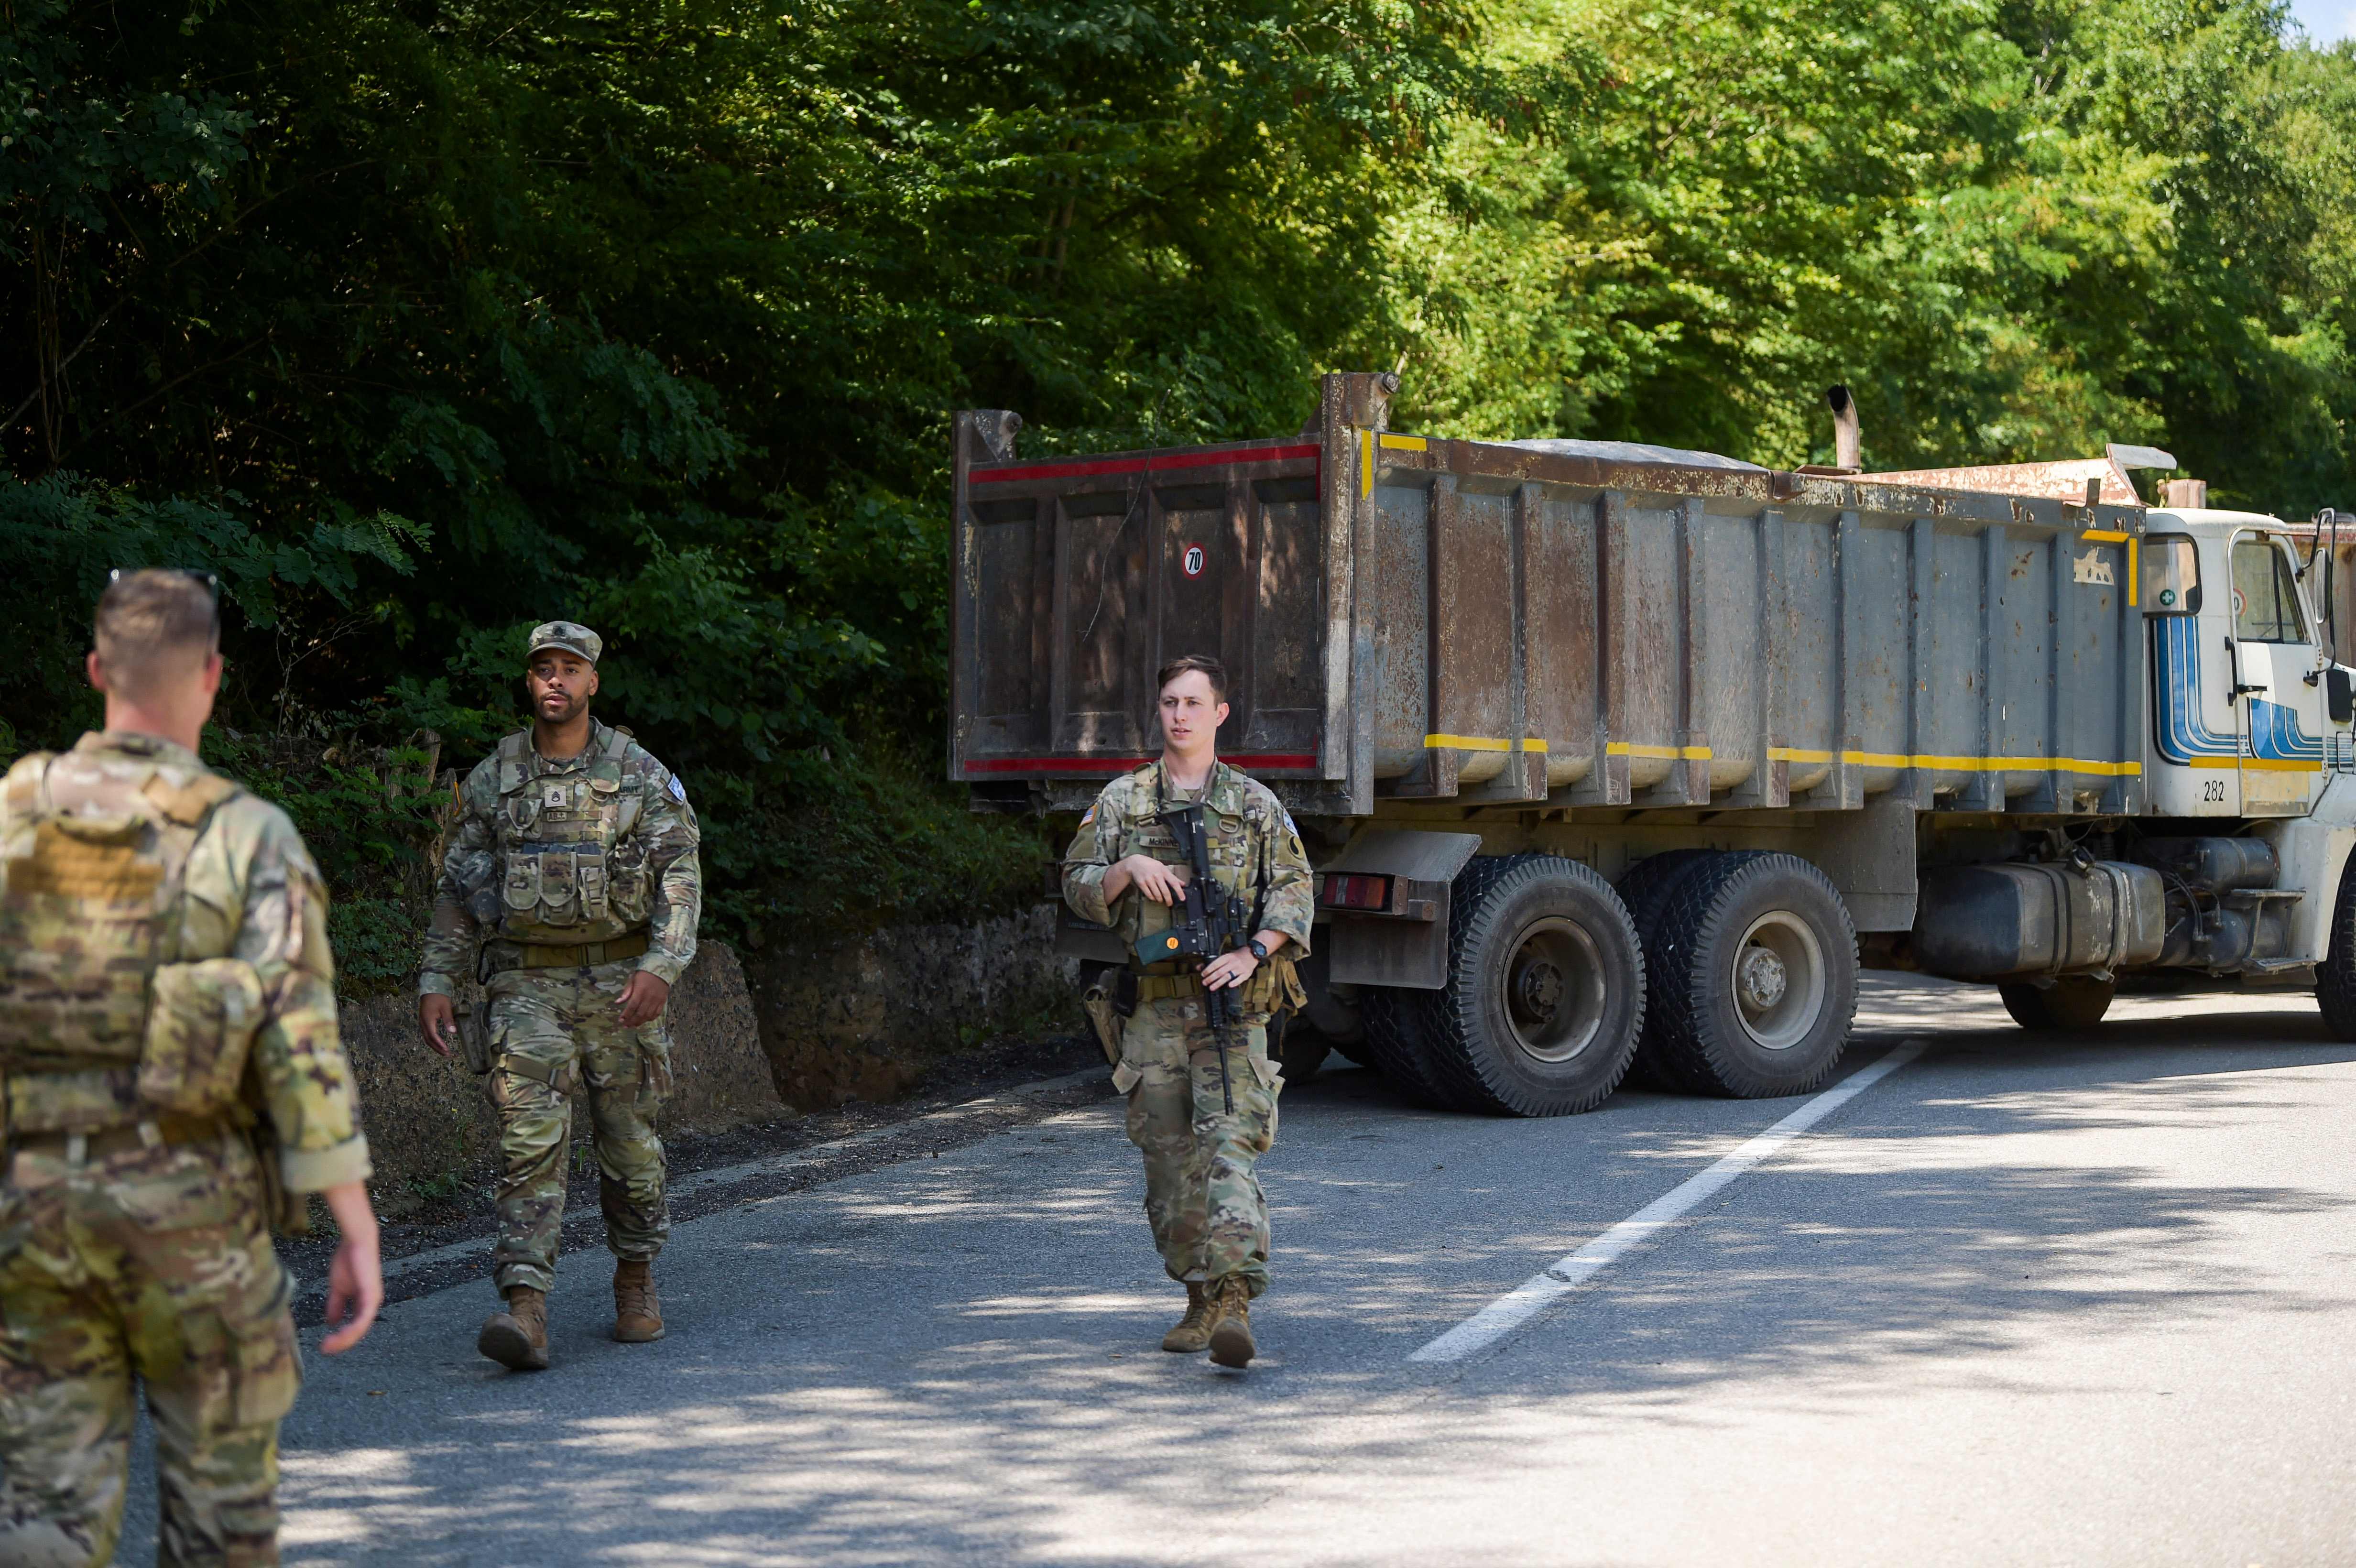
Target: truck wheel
1545, 989
1756, 977
1397, 1040
2071, 1002
1644, 888
2335, 977
1300, 1049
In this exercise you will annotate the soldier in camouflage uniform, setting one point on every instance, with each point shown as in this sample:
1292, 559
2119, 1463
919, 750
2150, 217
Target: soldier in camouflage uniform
1123, 870
174, 1082
575, 867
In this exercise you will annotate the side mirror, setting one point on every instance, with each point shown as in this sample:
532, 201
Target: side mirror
2339, 694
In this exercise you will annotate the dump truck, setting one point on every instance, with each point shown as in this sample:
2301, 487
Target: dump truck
1616, 759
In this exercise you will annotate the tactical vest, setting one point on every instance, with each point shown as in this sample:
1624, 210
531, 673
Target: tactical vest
1145, 833
567, 860
106, 1019
1238, 860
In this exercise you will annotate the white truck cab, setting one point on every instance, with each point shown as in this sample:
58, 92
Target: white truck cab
2251, 715
2245, 723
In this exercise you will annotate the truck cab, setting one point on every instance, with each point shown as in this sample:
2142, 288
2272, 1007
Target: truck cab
2251, 715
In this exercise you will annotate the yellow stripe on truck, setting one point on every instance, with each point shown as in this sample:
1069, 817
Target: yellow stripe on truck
1480, 743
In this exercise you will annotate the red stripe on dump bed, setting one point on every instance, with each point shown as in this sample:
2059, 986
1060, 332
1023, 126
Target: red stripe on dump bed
1126, 765
1143, 465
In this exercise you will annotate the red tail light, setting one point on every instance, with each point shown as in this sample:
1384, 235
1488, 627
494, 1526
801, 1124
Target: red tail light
1353, 890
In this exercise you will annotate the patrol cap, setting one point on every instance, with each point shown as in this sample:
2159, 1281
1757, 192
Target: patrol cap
570, 636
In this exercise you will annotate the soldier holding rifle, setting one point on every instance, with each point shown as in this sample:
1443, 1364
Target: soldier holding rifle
1189, 1030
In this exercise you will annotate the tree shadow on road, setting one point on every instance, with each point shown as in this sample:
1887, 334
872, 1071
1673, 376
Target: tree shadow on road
959, 1365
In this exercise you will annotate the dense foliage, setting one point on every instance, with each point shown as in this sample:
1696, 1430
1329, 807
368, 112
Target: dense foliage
421, 321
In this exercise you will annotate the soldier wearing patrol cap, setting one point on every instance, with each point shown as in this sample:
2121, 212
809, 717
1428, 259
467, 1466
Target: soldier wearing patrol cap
574, 870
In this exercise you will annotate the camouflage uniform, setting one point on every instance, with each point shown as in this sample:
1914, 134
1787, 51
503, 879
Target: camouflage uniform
1202, 1197
165, 975
586, 871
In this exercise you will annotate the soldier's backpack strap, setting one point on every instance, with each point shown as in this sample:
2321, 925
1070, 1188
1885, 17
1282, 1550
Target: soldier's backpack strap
606, 777
190, 805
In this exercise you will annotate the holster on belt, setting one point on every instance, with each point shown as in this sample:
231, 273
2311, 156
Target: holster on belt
1109, 995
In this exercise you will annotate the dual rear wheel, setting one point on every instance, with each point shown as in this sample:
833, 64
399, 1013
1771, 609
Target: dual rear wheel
1712, 973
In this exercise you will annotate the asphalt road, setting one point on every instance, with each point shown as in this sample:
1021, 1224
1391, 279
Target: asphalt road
2016, 1302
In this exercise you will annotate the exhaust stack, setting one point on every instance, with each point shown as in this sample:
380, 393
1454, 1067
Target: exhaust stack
1848, 447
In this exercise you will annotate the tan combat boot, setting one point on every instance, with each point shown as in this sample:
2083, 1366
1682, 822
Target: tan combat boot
518, 1338
637, 1315
1231, 1334
1193, 1334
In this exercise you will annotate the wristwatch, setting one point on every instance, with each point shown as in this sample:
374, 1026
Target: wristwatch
1258, 953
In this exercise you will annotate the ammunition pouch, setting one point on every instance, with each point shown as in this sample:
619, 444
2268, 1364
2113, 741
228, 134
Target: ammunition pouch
81, 1099
1275, 987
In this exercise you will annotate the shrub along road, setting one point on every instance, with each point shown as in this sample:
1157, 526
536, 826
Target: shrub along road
2017, 1300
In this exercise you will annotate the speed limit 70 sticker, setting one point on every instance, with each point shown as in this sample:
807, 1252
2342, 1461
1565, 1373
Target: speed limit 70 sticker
1193, 560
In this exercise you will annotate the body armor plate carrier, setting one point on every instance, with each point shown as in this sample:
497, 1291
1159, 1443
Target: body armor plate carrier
104, 1019
567, 858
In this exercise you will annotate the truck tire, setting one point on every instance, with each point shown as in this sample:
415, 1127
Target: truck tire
1546, 990
1397, 1041
1755, 977
2071, 1002
2335, 977
1300, 1049
1644, 888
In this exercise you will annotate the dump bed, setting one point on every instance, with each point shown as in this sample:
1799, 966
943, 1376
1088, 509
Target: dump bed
1423, 621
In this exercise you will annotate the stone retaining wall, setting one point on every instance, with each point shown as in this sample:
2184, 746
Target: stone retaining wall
796, 1027
865, 1018
430, 1125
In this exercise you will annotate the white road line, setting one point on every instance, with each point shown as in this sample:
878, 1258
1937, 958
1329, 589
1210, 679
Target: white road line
1541, 1290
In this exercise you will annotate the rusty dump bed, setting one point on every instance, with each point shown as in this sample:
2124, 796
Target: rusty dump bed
1431, 623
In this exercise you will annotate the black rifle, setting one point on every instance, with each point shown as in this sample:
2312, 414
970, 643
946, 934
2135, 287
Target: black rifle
1212, 921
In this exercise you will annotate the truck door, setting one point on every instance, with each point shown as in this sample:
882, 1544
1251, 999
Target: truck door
2273, 668
2196, 730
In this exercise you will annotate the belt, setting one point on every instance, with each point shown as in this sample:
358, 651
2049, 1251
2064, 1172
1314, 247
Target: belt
1157, 988
157, 1132
565, 955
